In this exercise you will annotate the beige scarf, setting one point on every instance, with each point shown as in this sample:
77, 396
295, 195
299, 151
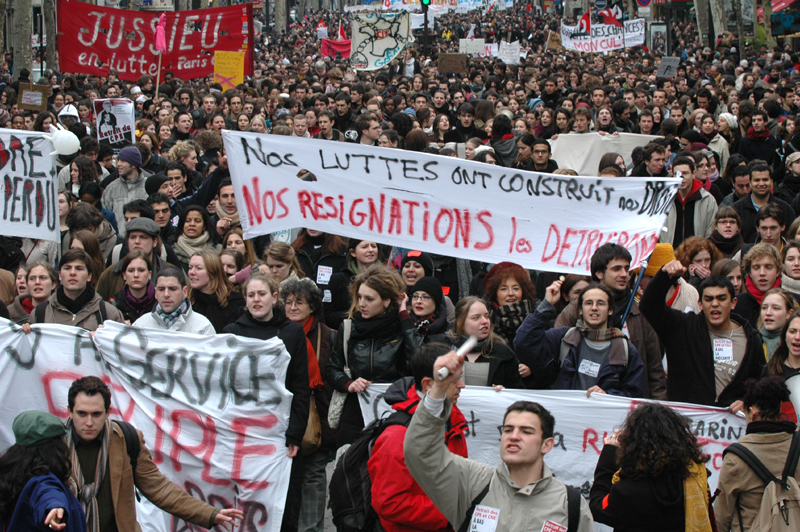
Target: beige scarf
222, 213
87, 492
185, 247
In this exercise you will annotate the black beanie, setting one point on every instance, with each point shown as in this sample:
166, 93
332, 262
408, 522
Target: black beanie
154, 182
421, 257
429, 285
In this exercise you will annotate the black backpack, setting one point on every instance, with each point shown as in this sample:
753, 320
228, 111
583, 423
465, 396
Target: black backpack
133, 446
351, 502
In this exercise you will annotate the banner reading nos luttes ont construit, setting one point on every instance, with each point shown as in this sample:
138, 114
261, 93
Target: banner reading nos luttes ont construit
442, 204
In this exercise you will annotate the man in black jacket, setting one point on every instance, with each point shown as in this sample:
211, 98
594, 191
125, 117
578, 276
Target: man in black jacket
465, 128
760, 195
759, 143
710, 356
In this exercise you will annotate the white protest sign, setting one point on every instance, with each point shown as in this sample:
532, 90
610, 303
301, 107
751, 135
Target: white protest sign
668, 67
489, 50
115, 122
378, 38
604, 37
509, 52
213, 410
471, 46
442, 205
418, 20
581, 425
582, 152
29, 186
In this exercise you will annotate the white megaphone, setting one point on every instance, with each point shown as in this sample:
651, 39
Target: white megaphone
793, 383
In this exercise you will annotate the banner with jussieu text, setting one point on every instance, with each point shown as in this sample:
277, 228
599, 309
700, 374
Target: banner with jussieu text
442, 205
604, 37
213, 410
29, 186
581, 425
93, 39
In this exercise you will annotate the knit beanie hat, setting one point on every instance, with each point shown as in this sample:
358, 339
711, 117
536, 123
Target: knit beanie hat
131, 156
662, 254
422, 258
154, 182
730, 119
429, 285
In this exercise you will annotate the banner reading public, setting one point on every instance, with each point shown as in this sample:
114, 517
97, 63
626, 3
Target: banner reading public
30, 188
213, 410
93, 39
442, 204
581, 425
116, 119
604, 37
378, 38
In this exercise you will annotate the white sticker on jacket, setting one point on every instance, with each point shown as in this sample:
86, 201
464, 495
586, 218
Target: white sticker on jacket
723, 350
484, 519
552, 526
324, 274
589, 368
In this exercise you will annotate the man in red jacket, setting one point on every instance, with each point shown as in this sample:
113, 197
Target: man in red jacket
398, 500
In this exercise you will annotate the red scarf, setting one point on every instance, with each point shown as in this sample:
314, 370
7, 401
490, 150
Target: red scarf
752, 134
314, 376
27, 304
757, 294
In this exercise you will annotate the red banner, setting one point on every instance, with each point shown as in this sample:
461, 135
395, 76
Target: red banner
93, 39
331, 48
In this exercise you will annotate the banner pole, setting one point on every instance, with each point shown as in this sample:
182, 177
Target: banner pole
158, 74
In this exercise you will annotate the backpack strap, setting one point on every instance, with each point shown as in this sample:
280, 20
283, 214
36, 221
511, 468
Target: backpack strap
754, 463
565, 347
103, 312
348, 326
475, 502
133, 446
573, 508
40, 311
792, 458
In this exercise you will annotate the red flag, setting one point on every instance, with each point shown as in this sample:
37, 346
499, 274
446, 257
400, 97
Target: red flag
585, 23
329, 48
342, 36
529, 8
612, 16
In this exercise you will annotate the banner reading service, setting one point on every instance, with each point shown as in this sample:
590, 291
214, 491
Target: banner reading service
213, 410
442, 205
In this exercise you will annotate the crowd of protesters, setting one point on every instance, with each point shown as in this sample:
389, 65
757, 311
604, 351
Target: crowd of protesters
152, 236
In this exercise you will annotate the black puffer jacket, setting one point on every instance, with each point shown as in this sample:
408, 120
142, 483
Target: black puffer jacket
335, 261
381, 355
294, 339
208, 305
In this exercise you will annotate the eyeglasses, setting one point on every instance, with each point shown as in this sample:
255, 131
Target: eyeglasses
727, 222
295, 303
421, 297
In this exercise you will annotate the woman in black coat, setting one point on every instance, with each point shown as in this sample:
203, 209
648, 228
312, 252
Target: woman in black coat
492, 362
263, 320
320, 255
302, 301
212, 293
381, 342
649, 472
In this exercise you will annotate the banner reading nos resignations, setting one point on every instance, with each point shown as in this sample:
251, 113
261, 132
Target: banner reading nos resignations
442, 204
213, 410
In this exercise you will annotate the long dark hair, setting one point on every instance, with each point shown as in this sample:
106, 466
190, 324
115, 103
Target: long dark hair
20, 464
657, 441
781, 354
